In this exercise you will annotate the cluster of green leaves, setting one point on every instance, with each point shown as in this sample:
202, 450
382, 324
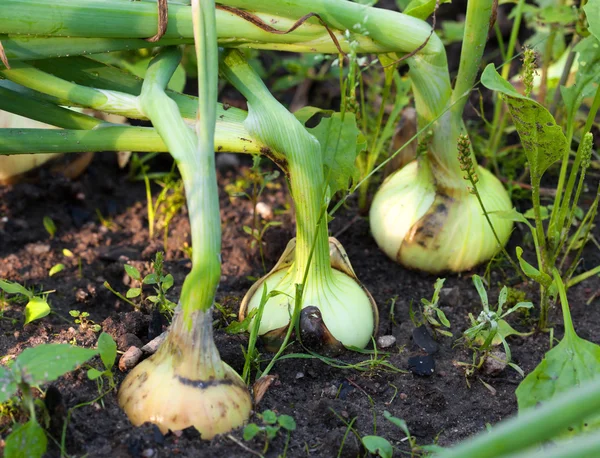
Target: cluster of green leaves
160, 281
37, 305
32, 368
270, 427
82, 319
431, 311
490, 328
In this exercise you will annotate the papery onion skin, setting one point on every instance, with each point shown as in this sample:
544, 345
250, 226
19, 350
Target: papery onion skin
186, 384
437, 230
347, 309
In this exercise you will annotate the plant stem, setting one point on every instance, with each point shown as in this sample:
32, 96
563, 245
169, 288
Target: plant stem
270, 122
477, 25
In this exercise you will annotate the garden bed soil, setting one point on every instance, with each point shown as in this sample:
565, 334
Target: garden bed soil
441, 407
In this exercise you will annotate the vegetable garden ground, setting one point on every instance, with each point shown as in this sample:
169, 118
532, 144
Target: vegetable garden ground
441, 406
102, 220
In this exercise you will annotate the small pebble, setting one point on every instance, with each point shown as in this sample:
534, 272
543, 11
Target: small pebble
81, 295
385, 341
403, 396
148, 452
494, 363
264, 210
299, 375
450, 296
130, 358
330, 392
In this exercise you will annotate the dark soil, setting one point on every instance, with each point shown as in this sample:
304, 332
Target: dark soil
444, 407
321, 398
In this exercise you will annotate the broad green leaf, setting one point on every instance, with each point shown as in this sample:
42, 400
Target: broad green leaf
286, 422
26, 441
36, 308
8, 384
533, 273
133, 272
133, 292
250, 431
49, 226
46, 363
94, 374
14, 288
542, 139
150, 279
271, 431
481, 291
592, 11
568, 365
269, 417
378, 446
167, 282
422, 9
339, 149
56, 269
504, 330
108, 350
588, 72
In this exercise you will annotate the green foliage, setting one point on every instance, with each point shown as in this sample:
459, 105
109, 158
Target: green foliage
432, 312
49, 226
37, 305
490, 328
570, 364
108, 354
26, 441
81, 318
341, 141
379, 446
271, 425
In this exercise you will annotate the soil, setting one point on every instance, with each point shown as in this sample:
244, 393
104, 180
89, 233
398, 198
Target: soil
443, 407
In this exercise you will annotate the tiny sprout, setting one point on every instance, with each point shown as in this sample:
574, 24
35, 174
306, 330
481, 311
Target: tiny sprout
49, 226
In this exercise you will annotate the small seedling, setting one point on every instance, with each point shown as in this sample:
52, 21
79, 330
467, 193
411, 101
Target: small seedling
37, 304
490, 329
432, 313
271, 425
162, 283
33, 367
49, 226
108, 354
81, 318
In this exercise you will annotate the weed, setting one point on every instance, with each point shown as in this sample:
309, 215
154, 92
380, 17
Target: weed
271, 425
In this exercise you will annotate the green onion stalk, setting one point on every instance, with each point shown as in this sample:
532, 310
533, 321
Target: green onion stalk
185, 383
340, 309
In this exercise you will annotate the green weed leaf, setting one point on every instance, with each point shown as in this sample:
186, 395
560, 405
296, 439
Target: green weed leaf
397, 421
108, 350
49, 226
533, 273
422, 9
56, 269
26, 441
287, 422
340, 144
542, 139
46, 363
568, 365
378, 446
250, 431
8, 384
133, 272
150, 279
36, 308
237, 327
14, 288
133, 292
269, 417
592, 11
94, 374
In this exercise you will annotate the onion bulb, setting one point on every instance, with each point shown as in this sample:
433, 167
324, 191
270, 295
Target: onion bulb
426, 227
185, 383
347, 310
